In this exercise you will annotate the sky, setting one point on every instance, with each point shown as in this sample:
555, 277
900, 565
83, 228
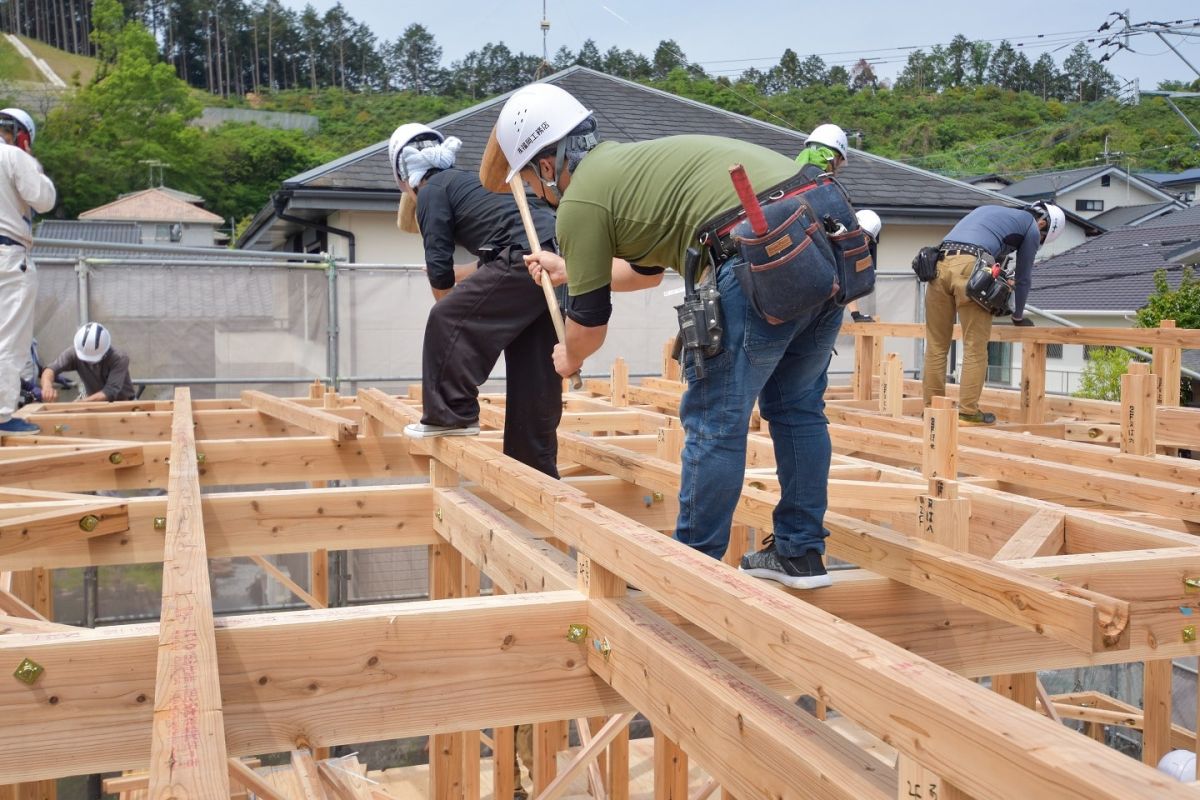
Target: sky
724, 41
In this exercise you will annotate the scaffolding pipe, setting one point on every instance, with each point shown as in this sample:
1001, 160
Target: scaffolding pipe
84, 300
331, 356
211, 252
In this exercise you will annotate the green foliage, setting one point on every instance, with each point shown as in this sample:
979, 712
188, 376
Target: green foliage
1101, 378
1181, 304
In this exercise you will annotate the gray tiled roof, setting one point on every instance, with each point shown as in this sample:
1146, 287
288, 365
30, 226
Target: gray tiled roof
1046, 184
1113, 271
1183, 216
1126, 215
1170, 178
628, 111
82, 231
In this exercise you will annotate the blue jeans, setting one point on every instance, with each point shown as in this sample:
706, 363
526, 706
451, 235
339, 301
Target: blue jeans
784, 368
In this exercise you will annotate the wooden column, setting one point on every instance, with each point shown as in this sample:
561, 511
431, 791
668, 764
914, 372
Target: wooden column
620, 383
595, 581
891, 386
1139, 406
670, 770
33, 587
939, 453
671, 369
670, 444
1020, 687
864, 366
944, 517
1033, 382
739, 544
1156, 710
446, 750
1166, 366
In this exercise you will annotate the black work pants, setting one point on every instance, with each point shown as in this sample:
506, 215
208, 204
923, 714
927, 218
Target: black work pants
499, 309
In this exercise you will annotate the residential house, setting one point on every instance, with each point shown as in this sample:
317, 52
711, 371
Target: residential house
1104, 281
348, 208
1184, 185
1090, 191
164, 217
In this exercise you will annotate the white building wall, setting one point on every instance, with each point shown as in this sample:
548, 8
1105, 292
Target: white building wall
1119, 194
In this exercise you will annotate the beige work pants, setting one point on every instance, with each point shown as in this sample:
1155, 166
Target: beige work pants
945, 298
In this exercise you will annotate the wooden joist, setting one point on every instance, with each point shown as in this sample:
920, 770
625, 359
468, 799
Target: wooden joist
50, 528
314, 420
187, 750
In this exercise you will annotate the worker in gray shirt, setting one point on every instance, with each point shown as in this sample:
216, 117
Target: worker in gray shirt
103, 369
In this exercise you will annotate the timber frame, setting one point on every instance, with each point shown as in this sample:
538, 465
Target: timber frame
1064, 537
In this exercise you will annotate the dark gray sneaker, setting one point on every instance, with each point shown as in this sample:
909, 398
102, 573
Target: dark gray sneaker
801, 572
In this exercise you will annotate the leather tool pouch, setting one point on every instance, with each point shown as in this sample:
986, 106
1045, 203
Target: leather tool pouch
991, 288
855, 265
925, 263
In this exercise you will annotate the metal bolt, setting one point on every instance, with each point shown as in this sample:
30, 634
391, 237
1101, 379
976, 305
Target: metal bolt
602, 647
160, 523
576, 632
1191, 583
200, 459
1189, 633
89, 523
115, 458
437, 513
60, 429
658, 497
1093, 433
28, 671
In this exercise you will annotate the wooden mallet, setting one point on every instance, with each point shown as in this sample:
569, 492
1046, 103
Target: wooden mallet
518, 191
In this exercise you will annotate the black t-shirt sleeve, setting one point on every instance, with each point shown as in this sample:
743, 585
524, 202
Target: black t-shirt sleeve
591, 309
436, 218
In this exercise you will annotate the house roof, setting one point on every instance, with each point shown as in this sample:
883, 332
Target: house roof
1178, 217
81, 231
993, 176
1050, 184
152, 205
186, 197
628, 111
1115, 271
1188, 176
1132, 215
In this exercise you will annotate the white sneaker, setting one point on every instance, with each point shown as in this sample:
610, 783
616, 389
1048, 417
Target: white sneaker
419, 430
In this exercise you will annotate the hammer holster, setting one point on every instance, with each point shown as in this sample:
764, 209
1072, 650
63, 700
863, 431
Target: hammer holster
700, 329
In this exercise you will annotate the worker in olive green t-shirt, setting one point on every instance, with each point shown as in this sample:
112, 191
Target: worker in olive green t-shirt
643, 203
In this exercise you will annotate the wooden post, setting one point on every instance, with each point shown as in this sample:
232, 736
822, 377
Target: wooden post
670, 444
504, 755
1033, 382
33, 588
939, 457
891, 386
864, 366
1139, 406
670, 770
620, 383
1020, 687
739, 544
1156, 710
671, 369
1166, 366
944, 517
446, 750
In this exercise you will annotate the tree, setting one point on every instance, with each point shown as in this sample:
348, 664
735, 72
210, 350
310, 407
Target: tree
813, 71
416, 60
667, 56
1101, 377
981, 56
1181, 304
957, 61
1044, 77
563, 58
785, 76
862, 76
589, 56
1002, 65
1022, 74
838, 76
918, 73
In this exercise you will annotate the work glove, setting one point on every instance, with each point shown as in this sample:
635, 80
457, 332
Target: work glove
1022, 322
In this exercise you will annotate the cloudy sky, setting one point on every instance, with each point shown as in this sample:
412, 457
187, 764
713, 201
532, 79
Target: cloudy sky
727, 37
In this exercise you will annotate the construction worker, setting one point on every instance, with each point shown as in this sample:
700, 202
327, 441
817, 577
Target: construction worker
645, 203
23, 190
827, 149
871, 224
479, 313
990, 234
103, 368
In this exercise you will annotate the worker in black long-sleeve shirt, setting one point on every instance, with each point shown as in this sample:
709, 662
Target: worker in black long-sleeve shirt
479, 315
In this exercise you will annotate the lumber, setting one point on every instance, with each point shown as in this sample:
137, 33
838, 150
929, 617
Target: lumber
314, 420
49, 529
1040, 535
187, 752
64, 467
317, 676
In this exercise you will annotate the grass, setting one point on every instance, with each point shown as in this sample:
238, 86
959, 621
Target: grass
14, 66
64, 63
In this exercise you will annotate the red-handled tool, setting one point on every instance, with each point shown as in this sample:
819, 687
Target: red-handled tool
745, 193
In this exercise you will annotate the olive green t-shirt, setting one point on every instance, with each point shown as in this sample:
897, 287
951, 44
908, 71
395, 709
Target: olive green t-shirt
645, 201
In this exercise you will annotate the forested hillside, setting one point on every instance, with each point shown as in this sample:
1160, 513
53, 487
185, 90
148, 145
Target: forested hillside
963, 108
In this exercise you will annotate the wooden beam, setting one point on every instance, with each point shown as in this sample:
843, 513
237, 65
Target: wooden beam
249, 779
1166, 366
50, 529
314, 420
187, 753
1139, 402
1156, 707
318, 677
72, 465
1040, 535
289, 584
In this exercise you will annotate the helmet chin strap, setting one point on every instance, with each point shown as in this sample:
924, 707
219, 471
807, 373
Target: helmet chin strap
560, 161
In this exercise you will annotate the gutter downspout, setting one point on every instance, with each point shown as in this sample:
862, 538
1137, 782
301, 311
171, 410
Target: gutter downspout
280, 200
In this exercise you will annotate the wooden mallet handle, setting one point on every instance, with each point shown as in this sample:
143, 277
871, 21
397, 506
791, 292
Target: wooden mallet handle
518, 191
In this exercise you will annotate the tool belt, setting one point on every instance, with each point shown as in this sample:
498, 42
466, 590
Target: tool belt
948, 249
701, 334
991, 287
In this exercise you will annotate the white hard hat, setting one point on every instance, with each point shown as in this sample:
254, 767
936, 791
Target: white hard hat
1179, 764
536, 116
23, 119
1056, 221
870, 222
92, 342
402, 136
832, 137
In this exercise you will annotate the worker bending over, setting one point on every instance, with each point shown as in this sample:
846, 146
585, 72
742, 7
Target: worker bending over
103, 368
